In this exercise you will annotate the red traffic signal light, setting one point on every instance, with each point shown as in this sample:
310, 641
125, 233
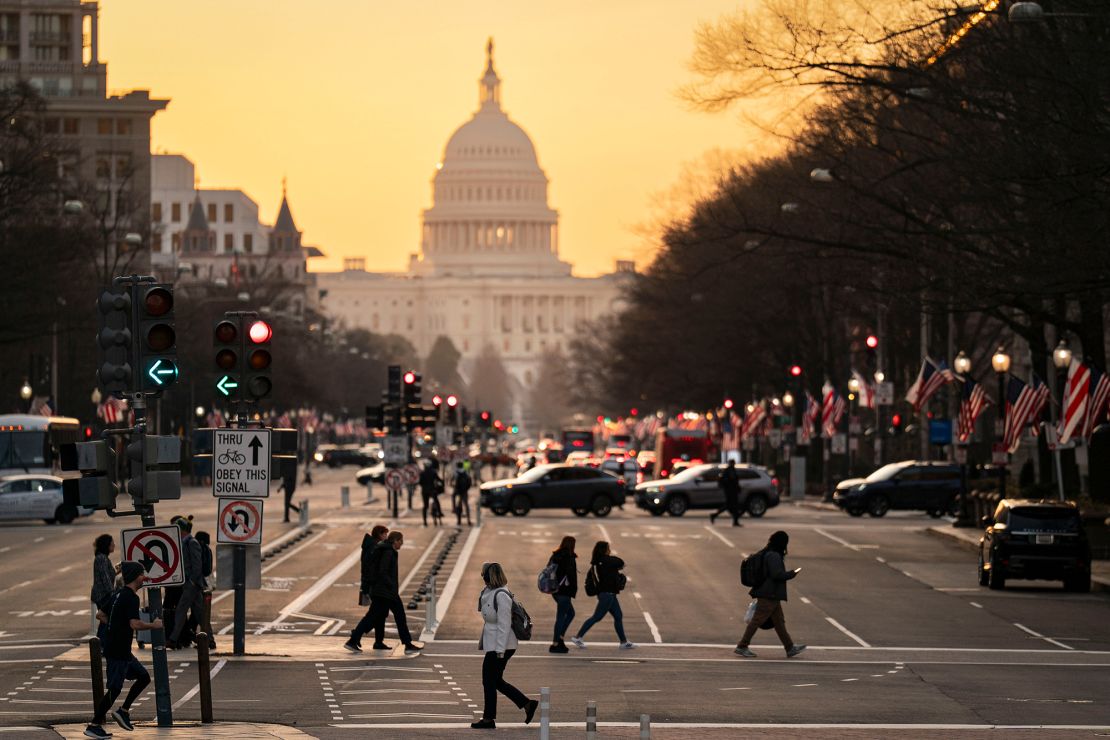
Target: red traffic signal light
485, 416
896, 421
452, 400
409, 377
437, 399
728, 403
158, 301
872, 341
260, 332
795, 370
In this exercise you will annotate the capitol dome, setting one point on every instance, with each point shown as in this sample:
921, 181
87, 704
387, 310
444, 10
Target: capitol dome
489, 211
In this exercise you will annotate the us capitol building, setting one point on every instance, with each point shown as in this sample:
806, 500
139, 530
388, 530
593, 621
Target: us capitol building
488, 273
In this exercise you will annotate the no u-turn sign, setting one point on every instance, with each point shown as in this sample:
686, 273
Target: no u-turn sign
239, 521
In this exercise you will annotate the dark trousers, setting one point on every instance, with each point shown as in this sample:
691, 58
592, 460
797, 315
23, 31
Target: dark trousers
607, 603
732, 506
379, 608
120, 670
192, 600
564, 615
367, 623
493, 680
461, 503
289, 503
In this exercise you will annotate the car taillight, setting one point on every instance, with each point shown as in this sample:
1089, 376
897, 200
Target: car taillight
775, 482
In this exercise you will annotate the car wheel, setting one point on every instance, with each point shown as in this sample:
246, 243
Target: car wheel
996, 578
1079, 584
757, 505
677, 505
499, 511
601, 505
50, 521
983, 579
65, 514
855, 511
521, 505
581, 512
878, 506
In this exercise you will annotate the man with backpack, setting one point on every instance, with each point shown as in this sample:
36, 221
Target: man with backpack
766, 573
370, 562
192, 593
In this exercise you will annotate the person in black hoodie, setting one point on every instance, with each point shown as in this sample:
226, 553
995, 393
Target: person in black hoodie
368, 569
606, 569
769, 595
566, 575
386, 595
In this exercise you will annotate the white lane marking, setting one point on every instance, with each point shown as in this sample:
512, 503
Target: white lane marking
801, 685
975, 604
640, 691
13, 588
719, 536
736, 688
453, 581
605, 533
654, 630
881, 560
40, 539
806, 601
836, 539
848, 680
5, 549
196, 689
1023, 628
708, 725
310, 594
849, 633
310, 541
731, 645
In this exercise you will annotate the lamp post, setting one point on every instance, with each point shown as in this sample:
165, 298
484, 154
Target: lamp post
853, 408
26, 391
1061, 358
1000, 361
962, 365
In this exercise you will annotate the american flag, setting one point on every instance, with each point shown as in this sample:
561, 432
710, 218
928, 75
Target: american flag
730, 431
866, 391
972, 402
1023, 404
930, 378
1100, 397
1077, 392
753, 421
809, 417
832, 409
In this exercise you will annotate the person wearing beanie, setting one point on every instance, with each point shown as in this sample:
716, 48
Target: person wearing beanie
769, 594
123, 619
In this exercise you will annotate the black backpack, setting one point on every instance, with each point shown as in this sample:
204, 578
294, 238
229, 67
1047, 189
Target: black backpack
521, 621
206, 560
752, 571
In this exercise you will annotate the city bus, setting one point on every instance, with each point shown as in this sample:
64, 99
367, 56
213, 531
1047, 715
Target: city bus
30, 444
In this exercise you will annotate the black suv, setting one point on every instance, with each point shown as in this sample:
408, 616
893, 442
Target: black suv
1041, 540
923, 486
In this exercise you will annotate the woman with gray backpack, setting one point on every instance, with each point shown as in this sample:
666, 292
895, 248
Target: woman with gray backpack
604, 580
504, 622
766, 572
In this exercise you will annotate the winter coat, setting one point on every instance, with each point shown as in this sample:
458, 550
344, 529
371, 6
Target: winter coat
497, 622
566, 573
729, 482
776, 576
462, 484
386, 582
430, 483
608, 573
366, 572
193, 556
104, 578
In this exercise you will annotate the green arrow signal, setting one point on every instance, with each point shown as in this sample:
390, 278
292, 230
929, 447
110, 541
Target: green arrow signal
162, 374
226, 385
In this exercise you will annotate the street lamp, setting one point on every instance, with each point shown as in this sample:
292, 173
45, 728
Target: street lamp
25, 390
1061, 358
853, 385
788, 400
962, 363
1001, 364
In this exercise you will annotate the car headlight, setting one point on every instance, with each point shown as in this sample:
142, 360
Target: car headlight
657, 500
318, 457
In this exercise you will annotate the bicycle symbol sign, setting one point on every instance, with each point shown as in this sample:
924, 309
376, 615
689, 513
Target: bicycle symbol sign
241, 463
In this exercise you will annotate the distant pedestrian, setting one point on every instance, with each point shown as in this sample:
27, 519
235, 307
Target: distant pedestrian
104, 581
386, 595
207, 569
460, 498
430, 485
369, 566
123, 619
566, 575
307, 468
606, 577
192, 592
531, 463
289, 485
499, 644
769, 595
729, 482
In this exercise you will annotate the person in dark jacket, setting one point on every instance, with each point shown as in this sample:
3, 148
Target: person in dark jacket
769, 595
289, 486
729, 482
205, 541
104, 580
192, 592
460, 498
430, 486
607, 569
387, 597
566, 575
371, 556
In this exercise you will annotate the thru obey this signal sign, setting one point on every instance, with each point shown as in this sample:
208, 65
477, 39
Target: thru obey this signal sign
241, 463
239, 521
158, 550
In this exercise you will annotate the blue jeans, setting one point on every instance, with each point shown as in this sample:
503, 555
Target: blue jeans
564, 615
607, 603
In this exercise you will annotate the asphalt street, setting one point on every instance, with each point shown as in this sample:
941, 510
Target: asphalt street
902, 639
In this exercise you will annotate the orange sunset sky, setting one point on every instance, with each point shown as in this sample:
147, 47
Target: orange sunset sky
353, 100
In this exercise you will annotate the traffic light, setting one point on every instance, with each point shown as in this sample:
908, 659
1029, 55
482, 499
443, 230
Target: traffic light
394, 392
896, 424
728, 404
411, 389
437, 400
94, 488
256, 370
872, 343
114, 341
153, 477
484, 419
393, 419
156, 350
452, 406
375, 417
796, 371
226, 341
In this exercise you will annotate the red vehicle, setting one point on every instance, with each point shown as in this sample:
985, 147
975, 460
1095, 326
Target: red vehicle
681, 446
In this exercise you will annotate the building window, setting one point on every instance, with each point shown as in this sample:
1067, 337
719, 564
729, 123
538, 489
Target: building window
211, 213
70, 126
104, 126
156, 212
248, 243
229, 213
51, 126
175, 212
123, 126
229, 242
408, 324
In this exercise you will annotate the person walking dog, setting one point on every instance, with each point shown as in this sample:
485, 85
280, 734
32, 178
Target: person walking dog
499, 644
605, 580
770, 593
566, 576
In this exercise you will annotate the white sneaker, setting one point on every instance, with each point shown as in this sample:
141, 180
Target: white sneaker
628, 645
578, 642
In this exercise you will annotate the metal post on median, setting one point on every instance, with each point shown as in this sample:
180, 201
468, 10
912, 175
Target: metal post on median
645, 727
344, 497
204, 679
239, 584
545, 713
97, 671
591, 720
430, 606
369, 490
304, 513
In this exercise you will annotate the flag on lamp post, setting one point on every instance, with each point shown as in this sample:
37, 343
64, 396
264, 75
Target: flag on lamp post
1077, 389
972, 402
866, 390
832, 409
1023, 404
1099, 399
932, 375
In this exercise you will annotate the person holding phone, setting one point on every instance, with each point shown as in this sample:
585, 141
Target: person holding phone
769, 594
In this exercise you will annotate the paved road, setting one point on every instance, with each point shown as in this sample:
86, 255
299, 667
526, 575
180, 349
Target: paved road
902, 640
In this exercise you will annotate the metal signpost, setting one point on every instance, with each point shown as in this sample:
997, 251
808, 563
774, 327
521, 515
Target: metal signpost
394, 479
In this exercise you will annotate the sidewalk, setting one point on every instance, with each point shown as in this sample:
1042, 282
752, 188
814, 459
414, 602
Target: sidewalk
812, 502
1100, 569
190, 730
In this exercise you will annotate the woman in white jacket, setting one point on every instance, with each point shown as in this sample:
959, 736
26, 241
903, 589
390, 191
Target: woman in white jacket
499, 643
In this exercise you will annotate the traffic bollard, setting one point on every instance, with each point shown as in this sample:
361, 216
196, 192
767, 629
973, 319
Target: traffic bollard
95, 663
545, 713
430, 606
204, 680
344, 497
304, 513
591, 720
645, 727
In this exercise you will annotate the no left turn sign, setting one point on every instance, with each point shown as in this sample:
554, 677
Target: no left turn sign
239, 521
158, 550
